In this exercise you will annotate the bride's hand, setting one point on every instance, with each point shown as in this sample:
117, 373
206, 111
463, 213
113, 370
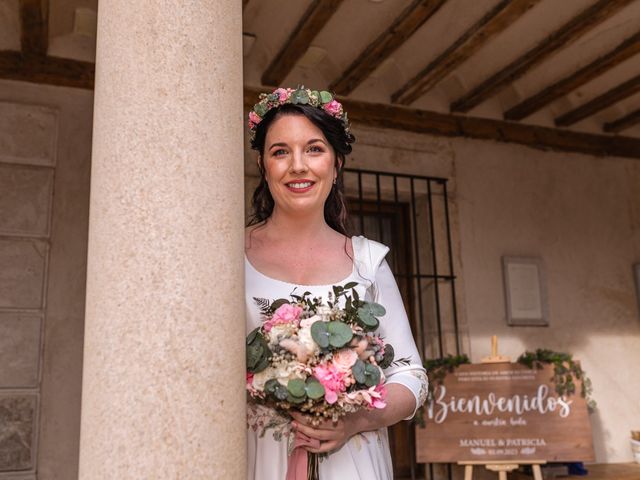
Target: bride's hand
332, 435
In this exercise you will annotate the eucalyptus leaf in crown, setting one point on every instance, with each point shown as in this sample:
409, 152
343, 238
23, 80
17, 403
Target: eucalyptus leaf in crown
299, 96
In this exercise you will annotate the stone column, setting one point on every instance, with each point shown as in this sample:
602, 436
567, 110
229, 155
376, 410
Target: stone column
163, 379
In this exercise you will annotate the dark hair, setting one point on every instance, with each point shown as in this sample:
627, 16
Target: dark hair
335, 210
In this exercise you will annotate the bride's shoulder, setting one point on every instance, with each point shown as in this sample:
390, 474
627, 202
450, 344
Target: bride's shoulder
363, 243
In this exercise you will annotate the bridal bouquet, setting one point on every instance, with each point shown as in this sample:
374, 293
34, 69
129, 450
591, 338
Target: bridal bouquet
319, 359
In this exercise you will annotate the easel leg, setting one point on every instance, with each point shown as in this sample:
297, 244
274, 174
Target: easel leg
537, 472
502, 475
468, 472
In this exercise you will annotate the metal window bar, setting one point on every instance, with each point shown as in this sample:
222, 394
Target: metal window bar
410, 214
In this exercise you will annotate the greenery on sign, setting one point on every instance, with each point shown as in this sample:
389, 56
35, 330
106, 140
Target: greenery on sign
565, 372
439, 368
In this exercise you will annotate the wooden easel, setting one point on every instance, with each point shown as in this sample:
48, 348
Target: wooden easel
506, 466
503, 467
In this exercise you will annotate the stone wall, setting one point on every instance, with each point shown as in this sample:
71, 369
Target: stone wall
45, 144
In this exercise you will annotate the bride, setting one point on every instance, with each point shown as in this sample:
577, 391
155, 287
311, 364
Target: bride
297, 238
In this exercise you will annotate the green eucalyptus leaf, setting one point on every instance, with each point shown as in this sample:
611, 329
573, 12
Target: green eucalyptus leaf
252, 335
387, 358
260, 109
280, 391
263, 364
254, 355
350, 285
376, 309
325, 97
339, 334
320, 334
300, 96
270, 385
296, 387
295, 400
369, 322
372, 374
257, 352
358, 370
314, 389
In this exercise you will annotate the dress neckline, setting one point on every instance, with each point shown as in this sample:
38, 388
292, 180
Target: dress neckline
344, 280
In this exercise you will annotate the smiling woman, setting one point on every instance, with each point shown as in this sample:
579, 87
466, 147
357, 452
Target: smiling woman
300, 166
298, 240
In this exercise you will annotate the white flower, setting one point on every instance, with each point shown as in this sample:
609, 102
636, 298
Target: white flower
305, 338
324, 312
260, 378
287, 371
307, 322
278, 332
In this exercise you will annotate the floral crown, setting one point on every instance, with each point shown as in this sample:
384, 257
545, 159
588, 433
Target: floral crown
300, 96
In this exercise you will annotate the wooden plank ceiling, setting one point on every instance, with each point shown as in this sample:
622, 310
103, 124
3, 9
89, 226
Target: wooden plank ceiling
549, 74
559, 75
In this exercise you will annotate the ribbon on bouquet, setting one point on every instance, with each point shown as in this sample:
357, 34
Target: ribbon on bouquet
298, 463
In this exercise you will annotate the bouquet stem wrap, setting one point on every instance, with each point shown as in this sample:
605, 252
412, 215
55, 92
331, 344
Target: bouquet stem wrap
303, 465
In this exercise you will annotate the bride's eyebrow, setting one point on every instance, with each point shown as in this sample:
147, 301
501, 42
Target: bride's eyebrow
278, 144
314, 140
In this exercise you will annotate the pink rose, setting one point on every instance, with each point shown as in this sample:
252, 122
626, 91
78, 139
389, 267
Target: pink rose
333, 107
254, 118
345, 359
284, 314
283, 94
331, 379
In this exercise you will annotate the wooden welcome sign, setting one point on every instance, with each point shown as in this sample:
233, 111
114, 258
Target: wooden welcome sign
503, 412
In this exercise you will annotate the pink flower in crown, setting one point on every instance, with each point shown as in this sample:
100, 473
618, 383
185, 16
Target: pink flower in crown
283, 94
283, 315
254, 119
333, 107
331, 379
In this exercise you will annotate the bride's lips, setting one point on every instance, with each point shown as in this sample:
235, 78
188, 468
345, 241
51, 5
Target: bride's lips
300, 186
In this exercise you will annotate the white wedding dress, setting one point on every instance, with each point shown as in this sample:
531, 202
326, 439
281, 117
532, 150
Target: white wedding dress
365, 456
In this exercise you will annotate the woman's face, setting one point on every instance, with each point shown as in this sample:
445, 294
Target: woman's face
299, 164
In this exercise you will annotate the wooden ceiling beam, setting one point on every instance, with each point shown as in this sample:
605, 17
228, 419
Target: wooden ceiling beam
442, 124
628, 48
313, 20
561, 38
34, 37
622, 91
403, 27
491, 24
623, 123
49, 70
